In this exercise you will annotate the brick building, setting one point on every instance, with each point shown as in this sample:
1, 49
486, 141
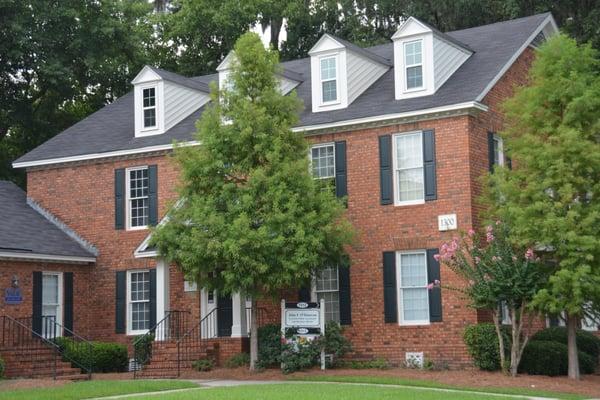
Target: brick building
405, 130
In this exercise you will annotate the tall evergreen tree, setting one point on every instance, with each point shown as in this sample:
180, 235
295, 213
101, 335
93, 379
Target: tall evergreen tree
252, 219
552, 198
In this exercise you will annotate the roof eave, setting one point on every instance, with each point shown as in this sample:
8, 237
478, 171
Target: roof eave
55, 258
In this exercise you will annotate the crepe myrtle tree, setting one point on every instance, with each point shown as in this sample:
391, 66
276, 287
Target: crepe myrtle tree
252, 219
497, 274
551, 199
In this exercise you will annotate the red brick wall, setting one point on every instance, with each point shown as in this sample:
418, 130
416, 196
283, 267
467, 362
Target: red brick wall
82, 293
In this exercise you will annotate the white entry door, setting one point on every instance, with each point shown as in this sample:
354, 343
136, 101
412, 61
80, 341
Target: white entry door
52, 299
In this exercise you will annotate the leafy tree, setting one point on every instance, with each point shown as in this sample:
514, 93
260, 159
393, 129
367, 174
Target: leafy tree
552, 199
498, 274
252, 219
60, 61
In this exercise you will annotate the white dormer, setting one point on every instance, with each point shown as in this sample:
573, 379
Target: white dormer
340, 72
288, 80
424, 59
162, 99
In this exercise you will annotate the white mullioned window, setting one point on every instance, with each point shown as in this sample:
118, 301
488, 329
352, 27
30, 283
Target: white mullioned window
322, 157
329, 79
137, 197
138, 301
149, 107
413, 64
327, 287
413, 294
498, 150
409, 181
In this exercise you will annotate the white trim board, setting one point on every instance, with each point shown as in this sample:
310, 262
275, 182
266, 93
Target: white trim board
46, 257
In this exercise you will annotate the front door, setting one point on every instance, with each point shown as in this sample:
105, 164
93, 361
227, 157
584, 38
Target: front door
224, 316
52, 306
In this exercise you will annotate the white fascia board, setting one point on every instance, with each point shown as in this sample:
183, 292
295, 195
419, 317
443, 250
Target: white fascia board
548, 22
324, 44
474, 105
226, 63
94, 156
46, 257
411, 27
146, 75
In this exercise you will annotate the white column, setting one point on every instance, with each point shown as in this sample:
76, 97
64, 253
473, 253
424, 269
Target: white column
239, 327
162, 292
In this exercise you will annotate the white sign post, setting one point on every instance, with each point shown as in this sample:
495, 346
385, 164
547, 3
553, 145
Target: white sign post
306, 319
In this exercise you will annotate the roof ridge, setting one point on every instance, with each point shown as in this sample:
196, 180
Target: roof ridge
499, 22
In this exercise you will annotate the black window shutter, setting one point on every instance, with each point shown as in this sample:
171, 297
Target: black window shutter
341, 173
385, 169
152, 298
68, 313
508, 162
553, 321
491, 151
429, 165
152, 195
345, 299
435, 294
121, 293
36, 322
390, 300
304, 294
120, 198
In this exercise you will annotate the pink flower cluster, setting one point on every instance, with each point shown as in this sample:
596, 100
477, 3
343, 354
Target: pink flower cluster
447, 251
529, 254
433, 284
489, 234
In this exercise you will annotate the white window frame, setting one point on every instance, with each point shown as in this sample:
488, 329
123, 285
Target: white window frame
407, 66
189, 286
505, 314
500, 145
399, 287
336, 57
130, 331
332, 144
59, 305
396, 171
315, 293
155, 107
128, 198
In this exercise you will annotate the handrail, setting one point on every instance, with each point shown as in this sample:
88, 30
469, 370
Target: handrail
81, 340
188, 336
170, 326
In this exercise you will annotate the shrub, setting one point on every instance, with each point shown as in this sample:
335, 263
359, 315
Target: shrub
238, 360
482, 344
2, 368
551, 358
586, 342
104, 357
203, 365
300, 356
269, 346
335, 343
142, 348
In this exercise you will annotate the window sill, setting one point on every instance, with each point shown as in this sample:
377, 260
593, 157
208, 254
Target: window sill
137, 333
409, 203
137, 228
415, 323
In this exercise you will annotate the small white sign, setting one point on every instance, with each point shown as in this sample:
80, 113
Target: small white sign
447, 222
304, 318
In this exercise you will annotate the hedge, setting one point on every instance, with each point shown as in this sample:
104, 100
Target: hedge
551, 358
586, 342
482, 344
105, 357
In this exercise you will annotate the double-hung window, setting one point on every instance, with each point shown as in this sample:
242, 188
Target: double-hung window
328, 288
498, 150
408, 168
138, 300
137, 197
149, 107
413, 294
329, 80
413, 64
323, 161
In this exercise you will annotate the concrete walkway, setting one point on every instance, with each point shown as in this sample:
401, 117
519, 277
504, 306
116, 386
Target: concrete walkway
214, 383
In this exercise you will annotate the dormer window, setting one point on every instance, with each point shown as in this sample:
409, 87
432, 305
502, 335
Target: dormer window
149, 107
329, 80
413, 62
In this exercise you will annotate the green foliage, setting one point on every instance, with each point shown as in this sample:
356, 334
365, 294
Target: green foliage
238, 360
142, 348
551, 358
376, 363
2, 368
586, 342
482, 344
104, 357
334, 342
203, 365
299, 356
269, 346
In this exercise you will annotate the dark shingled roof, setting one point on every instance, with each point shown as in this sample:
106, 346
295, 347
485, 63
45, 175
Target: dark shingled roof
181, 80
24, 231
364, 52
112, 127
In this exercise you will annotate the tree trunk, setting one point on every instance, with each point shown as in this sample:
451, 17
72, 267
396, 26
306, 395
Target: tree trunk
253, 336
572, 323
496, 317
516, 342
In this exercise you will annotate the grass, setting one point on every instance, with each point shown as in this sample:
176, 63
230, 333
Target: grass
98, 388
299, 391
432, 384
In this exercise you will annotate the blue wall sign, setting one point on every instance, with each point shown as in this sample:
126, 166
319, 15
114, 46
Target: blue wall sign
12, 296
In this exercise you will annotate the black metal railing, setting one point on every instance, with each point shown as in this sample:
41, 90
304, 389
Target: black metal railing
19, 336
190, 345
172, 327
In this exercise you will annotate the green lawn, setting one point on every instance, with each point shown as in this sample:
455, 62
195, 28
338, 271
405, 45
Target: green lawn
433, 384
97, 388
321, 392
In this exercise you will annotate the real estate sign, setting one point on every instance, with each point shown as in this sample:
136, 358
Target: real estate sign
301, 322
